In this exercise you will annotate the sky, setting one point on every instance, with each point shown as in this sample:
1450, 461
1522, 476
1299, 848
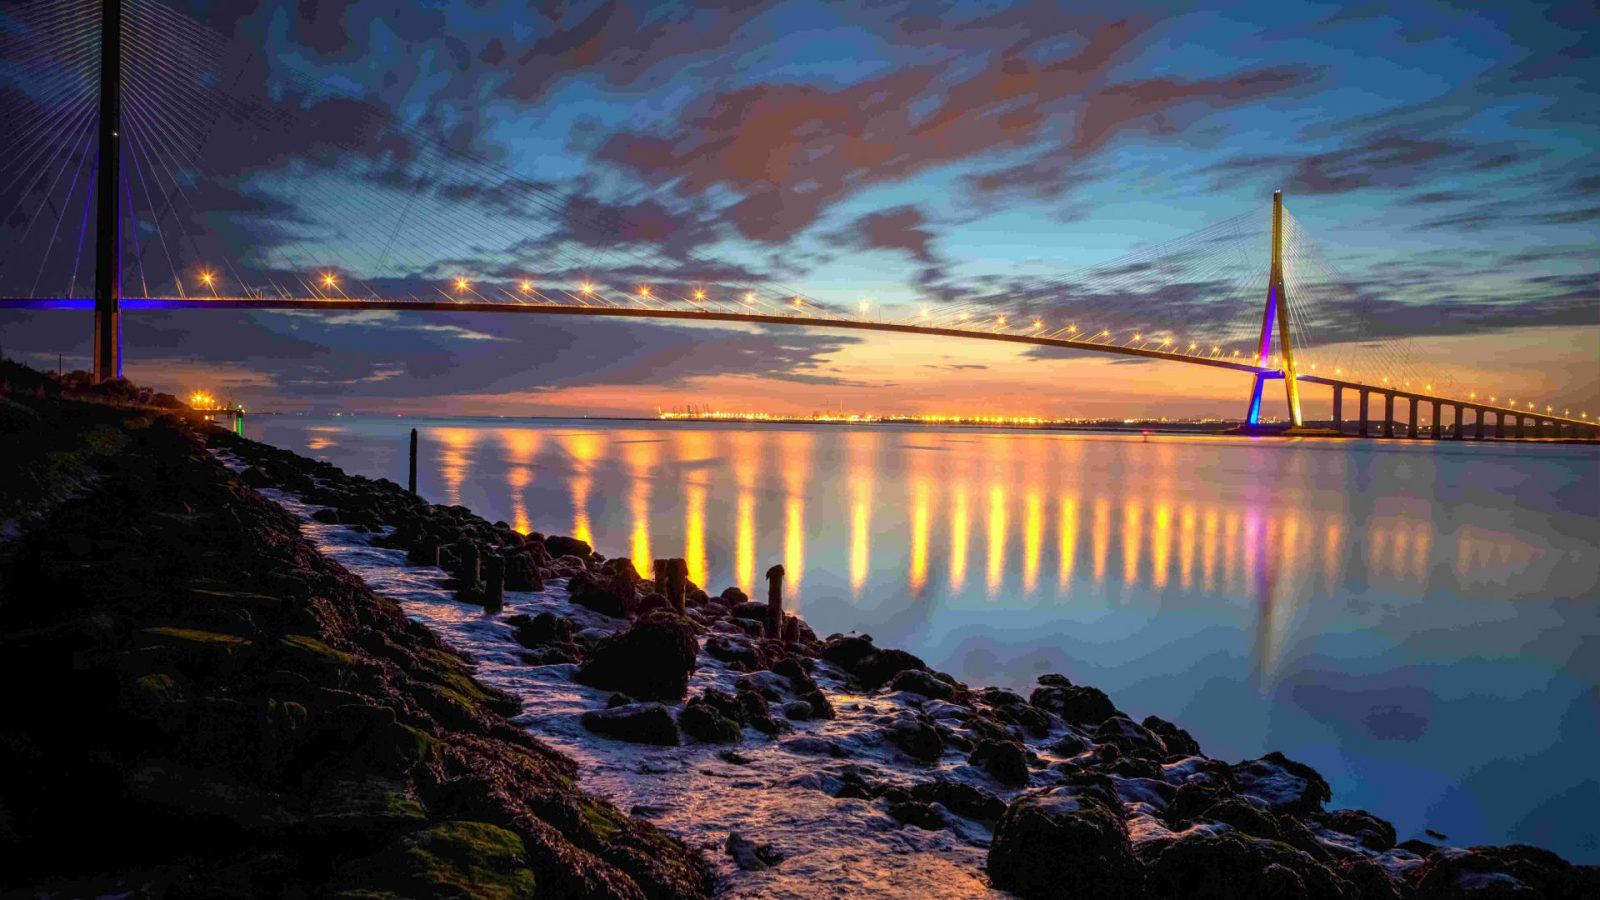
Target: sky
1440, 162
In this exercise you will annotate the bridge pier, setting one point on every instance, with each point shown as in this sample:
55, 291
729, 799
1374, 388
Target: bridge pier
1520, 427
1388, 415
1363, 427
1411, 423
1477, 429
1436, 425
1338, 408
1461, 415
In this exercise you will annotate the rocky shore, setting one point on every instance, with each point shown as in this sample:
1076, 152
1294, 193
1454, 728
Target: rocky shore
199, 704
209, 706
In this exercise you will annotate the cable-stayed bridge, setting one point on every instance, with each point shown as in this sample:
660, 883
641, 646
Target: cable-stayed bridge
147, 163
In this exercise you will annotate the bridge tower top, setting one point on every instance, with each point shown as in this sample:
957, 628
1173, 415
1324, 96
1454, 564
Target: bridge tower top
1276, 313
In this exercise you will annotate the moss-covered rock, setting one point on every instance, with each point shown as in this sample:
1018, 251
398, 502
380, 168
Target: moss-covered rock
456, 859
362, 805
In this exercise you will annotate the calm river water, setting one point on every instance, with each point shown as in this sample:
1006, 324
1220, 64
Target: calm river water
1417, 621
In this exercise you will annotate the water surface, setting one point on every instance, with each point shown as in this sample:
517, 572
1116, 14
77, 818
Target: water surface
1415, 620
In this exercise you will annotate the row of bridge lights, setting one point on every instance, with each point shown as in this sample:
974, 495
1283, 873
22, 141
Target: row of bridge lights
462, 285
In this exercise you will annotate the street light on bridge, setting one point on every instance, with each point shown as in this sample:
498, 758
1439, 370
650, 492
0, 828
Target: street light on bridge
699, 294
328, 281
461, 285
586, 288
526, 286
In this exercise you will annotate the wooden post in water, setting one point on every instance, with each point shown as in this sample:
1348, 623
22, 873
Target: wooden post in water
411, 479
494, 588
677, 573
775, 602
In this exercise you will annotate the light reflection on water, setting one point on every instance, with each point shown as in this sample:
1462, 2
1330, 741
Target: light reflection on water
1414, 620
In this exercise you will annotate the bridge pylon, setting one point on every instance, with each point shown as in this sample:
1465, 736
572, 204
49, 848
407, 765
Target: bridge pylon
108, 222
1277, 312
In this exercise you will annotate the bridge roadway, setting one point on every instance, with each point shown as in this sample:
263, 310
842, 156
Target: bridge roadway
1339, 386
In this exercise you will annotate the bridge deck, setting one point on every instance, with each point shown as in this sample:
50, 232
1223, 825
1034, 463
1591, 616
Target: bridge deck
710, 315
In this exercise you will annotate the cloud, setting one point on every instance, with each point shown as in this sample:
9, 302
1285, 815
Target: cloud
900, 228
790, 150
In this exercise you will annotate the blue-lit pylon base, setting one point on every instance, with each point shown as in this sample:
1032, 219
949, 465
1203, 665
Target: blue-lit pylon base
1254, 418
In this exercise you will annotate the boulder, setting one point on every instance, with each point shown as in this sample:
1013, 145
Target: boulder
1207, 864
558, 546
622, 567
754, 711
871, 666
604, 594
1078, 705
1005, 761
1069, 745
962, 799
921, 682
1067, 842
917, 812
1512, 871
537, 631
1131, 738
735, 649
638, 723
749, 855
650, 659
916, 736
1179, 743
1369, 831
522, 572
1282, 784
704, 722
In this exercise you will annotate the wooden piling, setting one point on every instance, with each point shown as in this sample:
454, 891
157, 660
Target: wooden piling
775, 602
677, 574
494, 589
411, 479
